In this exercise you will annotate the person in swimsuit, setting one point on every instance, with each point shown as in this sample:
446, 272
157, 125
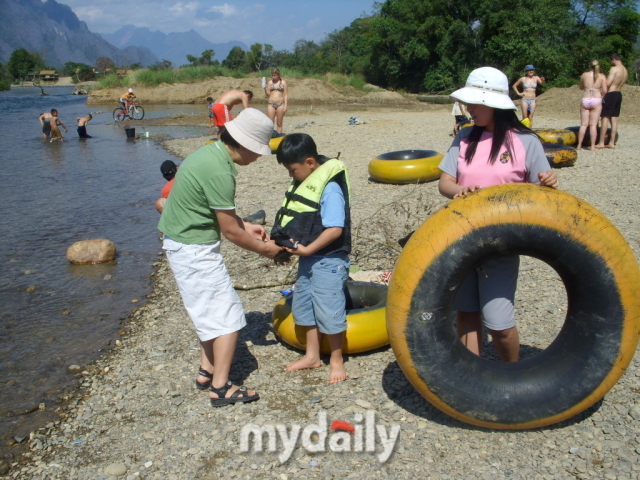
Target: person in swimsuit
593, 84
529, 84
277, 91
45, 122
618, 76
82, 126
224, 103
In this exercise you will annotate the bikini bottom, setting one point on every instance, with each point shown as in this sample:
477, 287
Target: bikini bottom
276, 105
591, 103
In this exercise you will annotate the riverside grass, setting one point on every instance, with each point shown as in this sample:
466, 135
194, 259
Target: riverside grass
153, 78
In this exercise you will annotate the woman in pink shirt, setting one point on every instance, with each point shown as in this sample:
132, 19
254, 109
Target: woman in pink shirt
497, 149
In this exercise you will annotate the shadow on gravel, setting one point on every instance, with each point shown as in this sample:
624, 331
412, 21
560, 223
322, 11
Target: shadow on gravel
399, 390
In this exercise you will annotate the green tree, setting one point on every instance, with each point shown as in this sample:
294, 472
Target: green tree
206, 57
21, 63
102, 64
236, 60
255, 57
163, 65
5, 78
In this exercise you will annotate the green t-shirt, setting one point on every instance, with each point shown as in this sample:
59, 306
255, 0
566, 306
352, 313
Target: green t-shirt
205, 181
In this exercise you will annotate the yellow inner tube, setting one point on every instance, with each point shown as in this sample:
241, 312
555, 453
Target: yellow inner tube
557, 136
274, 143
560, 155
366, 320
406, 166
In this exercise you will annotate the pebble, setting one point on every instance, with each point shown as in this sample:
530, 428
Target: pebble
116, 469
140, 411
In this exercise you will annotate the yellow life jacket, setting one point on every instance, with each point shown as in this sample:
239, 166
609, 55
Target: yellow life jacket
299, 217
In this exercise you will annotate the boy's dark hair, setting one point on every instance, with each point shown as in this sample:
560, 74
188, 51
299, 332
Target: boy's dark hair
249, 93
53, 110
615, 56
295, 148
209, 99
227, 139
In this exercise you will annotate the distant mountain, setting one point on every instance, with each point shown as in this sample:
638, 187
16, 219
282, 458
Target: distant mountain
173, 46
56, 33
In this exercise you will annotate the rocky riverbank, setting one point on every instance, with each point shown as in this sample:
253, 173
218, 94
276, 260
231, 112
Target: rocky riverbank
137, 414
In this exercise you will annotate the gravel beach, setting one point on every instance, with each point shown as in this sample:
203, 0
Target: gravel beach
137, 414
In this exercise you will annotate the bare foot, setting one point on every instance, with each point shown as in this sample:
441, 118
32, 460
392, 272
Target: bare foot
610, 146
579, 147
599, 146
337, 373
303, 363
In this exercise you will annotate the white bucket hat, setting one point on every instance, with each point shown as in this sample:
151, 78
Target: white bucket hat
252, 129
486, 86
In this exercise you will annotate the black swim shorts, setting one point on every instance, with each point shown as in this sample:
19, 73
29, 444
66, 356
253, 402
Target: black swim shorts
611, 104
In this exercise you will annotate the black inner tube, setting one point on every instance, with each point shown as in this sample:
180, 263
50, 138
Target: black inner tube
560, 377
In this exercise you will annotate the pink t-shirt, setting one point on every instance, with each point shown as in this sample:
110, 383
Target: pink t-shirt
519, 164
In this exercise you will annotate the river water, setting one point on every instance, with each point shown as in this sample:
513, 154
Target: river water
55, 314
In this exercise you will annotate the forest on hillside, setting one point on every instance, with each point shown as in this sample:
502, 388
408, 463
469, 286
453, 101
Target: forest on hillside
432, 45
426, 45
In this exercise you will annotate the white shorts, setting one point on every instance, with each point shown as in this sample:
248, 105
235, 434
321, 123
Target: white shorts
206, 289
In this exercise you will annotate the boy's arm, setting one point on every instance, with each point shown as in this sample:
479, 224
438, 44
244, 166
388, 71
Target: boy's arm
65, 127
327, 236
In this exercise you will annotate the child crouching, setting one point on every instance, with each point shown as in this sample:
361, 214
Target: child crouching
314, 223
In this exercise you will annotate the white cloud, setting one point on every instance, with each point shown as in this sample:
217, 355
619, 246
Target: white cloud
313, 22
182, 8
225, 10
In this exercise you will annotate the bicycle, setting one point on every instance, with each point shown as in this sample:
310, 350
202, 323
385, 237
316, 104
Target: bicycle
136, 112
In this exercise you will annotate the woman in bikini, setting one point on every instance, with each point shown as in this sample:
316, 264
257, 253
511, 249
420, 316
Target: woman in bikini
529, 84
593, 85
277, 92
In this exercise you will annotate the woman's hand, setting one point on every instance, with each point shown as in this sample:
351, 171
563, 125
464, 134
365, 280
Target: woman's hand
466, 190
256, 231
548, 179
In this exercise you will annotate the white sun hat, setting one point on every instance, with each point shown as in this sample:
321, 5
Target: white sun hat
131, 90
486, 86
252, 129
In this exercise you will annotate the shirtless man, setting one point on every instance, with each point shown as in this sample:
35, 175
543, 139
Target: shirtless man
225, 102
45, 122
618, 76
82, 126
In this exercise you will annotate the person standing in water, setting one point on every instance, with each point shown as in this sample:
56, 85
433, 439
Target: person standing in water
82, 126
46, 122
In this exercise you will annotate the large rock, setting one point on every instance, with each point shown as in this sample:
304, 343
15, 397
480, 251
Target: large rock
99, 250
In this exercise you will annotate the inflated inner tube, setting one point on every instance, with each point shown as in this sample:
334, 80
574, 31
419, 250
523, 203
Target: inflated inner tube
366, 321
406, 166
595, 345
274, 143
209, 142
557, 136
586, 142
560, 155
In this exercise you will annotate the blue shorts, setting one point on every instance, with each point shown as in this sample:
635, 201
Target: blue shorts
491, 290
319, 297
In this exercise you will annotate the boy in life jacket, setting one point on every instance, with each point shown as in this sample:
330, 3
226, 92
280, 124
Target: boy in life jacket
314, 223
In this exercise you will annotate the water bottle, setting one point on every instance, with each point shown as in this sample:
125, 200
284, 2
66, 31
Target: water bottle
264, 82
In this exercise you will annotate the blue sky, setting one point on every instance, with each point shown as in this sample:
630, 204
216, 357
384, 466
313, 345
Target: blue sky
276, 22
